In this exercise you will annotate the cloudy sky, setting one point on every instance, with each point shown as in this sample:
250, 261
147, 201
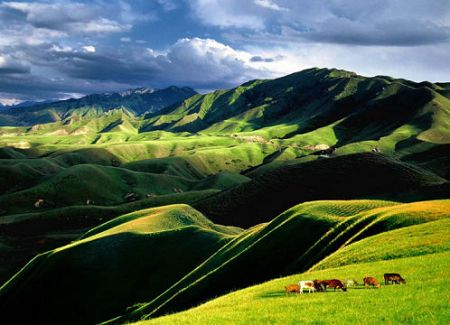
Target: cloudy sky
60, 48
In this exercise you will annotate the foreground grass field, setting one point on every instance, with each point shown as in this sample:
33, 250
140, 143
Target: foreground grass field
298, 239
423, 300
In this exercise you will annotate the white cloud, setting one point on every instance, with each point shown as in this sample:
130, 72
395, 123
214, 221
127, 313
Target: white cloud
89, 48
168, 5
125, 39
269, 4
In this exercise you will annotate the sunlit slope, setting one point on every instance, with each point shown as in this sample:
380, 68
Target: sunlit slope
71, 111
103, 185
159, 219
330, 94
292, 242
24, 235
92, 279
344, 177
429, 238
421, 301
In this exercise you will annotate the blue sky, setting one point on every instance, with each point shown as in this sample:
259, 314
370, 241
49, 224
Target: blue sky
59, 48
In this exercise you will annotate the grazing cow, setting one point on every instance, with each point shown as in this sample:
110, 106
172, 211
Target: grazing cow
40, 203
130, 197
308, 285
393, 278
350, 283
292, 288
318, 285
371, 281
334, 283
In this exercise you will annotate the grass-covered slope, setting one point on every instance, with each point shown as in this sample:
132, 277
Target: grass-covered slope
292, 242
24, 235
429, 238
92, 279
344, 177
423, 300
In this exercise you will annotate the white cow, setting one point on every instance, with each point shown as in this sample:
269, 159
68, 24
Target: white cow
308, 285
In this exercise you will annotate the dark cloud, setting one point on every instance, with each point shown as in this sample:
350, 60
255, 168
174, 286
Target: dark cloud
258, 58
202, 63
52, 48
354, 22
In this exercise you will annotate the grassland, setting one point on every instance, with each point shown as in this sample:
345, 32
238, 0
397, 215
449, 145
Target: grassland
320, 228
287, 159
112, 268
423, 300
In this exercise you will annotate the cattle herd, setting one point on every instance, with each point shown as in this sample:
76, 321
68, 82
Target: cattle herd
322, 285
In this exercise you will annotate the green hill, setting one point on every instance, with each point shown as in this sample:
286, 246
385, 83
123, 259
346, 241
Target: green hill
92, 279
324, 168
138, 101
291, 243
344, 177
24, 235
421, 301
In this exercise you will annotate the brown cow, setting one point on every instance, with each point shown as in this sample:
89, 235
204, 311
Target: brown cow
371, 281
334, 283
318, 285
394, 278
292, 288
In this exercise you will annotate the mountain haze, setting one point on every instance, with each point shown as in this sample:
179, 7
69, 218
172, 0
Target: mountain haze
137, 101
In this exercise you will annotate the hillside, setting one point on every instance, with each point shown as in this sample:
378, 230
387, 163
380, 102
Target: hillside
345, 177
267, 302
127, 261
138, 101
291, 243
128, 206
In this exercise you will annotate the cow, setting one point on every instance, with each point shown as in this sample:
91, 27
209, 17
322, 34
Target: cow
334, 283
292, 288
130, 197
393, 278
350, 283
371, 281
308, 285
318, 285
40, 203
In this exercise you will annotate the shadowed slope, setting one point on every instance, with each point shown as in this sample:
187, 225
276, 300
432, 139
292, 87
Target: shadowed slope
292, 242
345, 177
91, 279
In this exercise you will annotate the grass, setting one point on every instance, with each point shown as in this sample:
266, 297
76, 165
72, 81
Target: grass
111, 270
294, 241
244, 157
423, 300
28, 234
345, 177
429, 238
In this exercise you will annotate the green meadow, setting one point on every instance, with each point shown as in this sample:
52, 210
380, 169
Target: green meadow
202, 211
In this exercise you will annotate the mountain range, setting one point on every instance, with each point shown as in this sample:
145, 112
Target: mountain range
137, 101
124, 207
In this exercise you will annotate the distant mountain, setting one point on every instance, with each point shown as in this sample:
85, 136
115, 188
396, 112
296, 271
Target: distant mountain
135, 101
304, 101
29, 103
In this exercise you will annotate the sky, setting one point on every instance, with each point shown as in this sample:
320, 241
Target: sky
56, 49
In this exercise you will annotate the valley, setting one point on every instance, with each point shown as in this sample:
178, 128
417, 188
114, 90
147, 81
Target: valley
128, 208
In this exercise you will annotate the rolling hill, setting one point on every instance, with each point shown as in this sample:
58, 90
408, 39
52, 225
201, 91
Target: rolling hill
134, 205
127, 261
426, 275
209, 256
137, 101
344, 177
